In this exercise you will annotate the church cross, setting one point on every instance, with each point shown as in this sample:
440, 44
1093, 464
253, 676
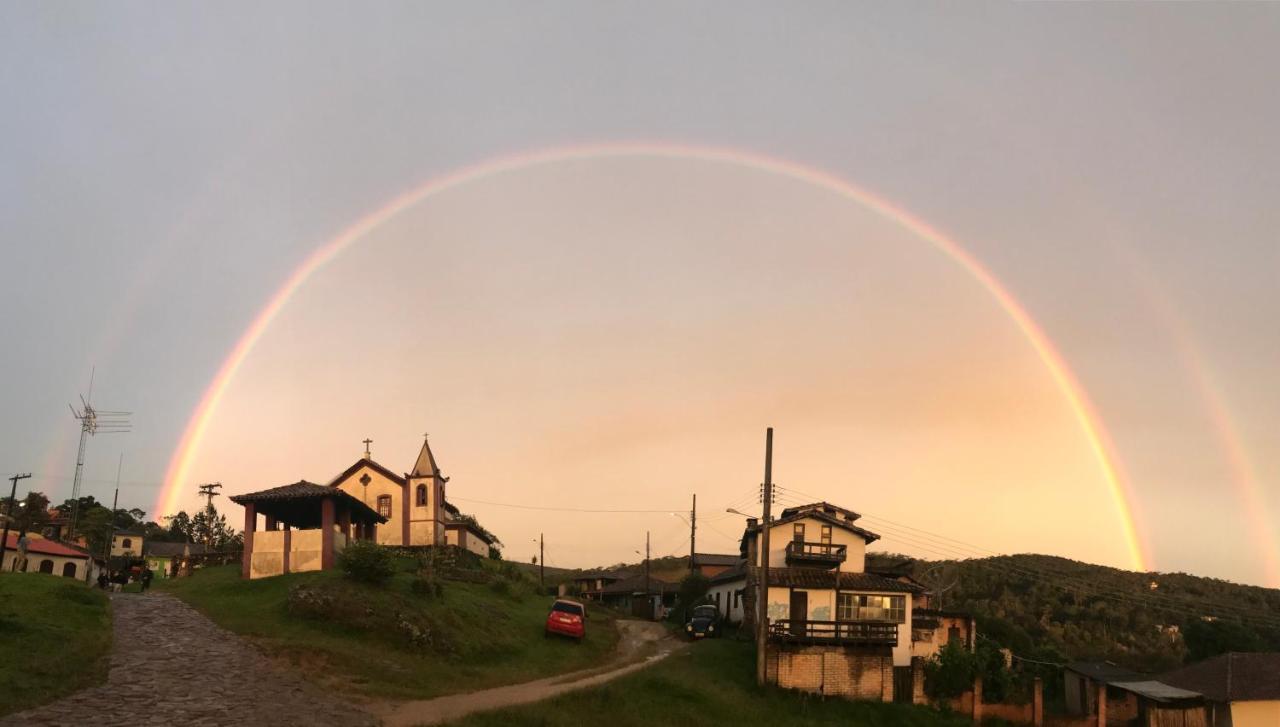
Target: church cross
367, 442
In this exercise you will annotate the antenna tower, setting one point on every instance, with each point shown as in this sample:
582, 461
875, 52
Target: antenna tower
92, 422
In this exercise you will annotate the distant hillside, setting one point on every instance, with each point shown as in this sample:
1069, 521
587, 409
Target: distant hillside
1055, 609
670, 569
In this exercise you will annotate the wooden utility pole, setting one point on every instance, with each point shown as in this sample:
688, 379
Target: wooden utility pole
762, 619
647, 589
8, 515
542, 563
693, 534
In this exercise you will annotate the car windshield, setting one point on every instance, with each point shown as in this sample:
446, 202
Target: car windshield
705, 611
573, 608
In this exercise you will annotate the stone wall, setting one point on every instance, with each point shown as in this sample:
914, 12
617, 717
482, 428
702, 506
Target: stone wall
853, 672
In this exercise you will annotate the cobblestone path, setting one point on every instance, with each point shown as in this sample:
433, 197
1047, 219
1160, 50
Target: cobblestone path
172, 666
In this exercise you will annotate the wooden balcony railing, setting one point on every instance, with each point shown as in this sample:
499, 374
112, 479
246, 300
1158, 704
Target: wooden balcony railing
834, 632
819, 554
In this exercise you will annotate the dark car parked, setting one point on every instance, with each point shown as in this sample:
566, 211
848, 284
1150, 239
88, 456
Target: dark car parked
703, 622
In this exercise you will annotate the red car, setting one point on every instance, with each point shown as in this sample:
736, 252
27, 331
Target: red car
567, 618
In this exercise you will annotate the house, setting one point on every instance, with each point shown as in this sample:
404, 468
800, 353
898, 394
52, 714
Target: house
127, 544
833, 628
49, 556
168, 559
712, 564
932, 629
589, 585
1240, 690
727, 591
413, 506
629, 595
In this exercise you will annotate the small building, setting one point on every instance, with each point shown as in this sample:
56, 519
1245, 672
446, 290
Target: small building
1161, 705
639, 596
127, 544
48, 556
306, 526
1082, 681
1240, 690
713, 564
932, 629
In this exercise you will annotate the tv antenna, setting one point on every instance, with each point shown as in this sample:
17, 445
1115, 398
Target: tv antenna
941, 578
92, 422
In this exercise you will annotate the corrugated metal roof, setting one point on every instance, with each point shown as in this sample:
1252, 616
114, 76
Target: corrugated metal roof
1158, 691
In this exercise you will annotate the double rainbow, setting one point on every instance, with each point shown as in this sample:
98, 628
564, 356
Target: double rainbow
1099, 441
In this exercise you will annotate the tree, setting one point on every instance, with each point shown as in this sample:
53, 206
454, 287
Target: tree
29, 513
1210, 638
180, 527
693, 591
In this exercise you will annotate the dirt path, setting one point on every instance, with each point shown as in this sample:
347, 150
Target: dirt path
642, 643
172, 666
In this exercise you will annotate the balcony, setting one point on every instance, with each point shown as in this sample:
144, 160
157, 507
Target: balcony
811, 555
873, 633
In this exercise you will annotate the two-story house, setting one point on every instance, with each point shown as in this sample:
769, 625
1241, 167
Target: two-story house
833, 628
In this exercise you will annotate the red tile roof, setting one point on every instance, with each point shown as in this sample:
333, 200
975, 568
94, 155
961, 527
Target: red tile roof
45, 547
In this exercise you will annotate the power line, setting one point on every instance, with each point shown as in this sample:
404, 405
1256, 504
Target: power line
558, 509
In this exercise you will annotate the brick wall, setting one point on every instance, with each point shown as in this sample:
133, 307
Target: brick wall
857, 673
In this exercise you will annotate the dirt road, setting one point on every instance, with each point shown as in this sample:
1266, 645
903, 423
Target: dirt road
642, 643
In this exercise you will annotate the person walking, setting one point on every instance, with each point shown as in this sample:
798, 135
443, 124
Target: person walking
146, 578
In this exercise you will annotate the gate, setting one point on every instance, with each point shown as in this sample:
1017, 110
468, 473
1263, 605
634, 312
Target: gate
902, 684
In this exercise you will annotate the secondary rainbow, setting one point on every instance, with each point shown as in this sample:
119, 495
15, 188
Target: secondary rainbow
1096, 434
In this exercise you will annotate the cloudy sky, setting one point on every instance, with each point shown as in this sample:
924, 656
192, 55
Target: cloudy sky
614, 331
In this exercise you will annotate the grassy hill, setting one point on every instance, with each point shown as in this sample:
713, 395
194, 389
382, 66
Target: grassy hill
712, 683
54, 637
391, 641
1055, 609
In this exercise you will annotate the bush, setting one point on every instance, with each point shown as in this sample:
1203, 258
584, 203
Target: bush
367, 562
426, 584
693, 591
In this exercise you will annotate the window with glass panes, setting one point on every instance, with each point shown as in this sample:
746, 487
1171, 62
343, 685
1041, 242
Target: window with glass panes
384, 505
859, 607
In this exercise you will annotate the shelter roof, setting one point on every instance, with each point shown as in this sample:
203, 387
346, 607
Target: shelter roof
1157, 691
1231, 677
736, 573
637, 583
298, 504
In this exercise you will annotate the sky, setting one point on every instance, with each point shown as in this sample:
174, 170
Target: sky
615, 331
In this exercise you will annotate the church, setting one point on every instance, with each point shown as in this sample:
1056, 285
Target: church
413, 504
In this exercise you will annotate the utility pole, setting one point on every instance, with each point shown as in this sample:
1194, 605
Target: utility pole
542, 563
111, 524
8, 515
762, 619
646, 570
209, 491
693, 534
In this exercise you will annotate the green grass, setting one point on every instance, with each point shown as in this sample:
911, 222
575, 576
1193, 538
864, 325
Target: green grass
54, 637
480, 638
711, 683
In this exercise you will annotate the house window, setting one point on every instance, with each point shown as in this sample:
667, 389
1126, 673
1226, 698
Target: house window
826, 535
422, 495
126, 543
384, 505
797, 532
857, 607
69, 570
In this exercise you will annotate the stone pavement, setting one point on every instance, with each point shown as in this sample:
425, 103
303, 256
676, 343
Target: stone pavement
172, 666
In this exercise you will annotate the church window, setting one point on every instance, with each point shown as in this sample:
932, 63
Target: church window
422, 495
384, 505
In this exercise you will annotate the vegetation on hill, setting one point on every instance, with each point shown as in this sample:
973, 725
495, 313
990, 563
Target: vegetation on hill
712, 683
1054, 609
414, 637
54, 637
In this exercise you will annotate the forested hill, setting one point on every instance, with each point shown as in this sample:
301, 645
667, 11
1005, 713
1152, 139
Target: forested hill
1055, 609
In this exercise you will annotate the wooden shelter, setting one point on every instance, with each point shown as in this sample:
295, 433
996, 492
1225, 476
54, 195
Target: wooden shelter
306, 526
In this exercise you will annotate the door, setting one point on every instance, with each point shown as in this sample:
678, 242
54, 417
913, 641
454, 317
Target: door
799, 612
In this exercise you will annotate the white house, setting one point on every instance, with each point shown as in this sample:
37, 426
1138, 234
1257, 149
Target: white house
48, 556
833, 627
727, 591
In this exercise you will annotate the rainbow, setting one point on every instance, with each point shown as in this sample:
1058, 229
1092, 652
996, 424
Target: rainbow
1243, 474
1099, 441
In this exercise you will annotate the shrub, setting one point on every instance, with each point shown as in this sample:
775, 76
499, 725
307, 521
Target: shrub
693, 591
367, 562
426, 584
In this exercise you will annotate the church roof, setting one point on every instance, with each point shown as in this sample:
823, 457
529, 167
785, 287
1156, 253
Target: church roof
426, 464
398, 479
